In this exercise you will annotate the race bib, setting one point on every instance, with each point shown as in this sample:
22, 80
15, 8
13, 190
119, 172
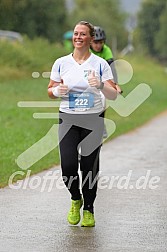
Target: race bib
81, 100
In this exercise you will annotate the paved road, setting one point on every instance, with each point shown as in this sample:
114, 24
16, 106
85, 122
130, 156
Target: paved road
130, 210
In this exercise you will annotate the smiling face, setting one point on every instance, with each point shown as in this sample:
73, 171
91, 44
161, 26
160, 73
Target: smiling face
81, 36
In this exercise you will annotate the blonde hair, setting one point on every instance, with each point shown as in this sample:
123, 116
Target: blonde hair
89, 25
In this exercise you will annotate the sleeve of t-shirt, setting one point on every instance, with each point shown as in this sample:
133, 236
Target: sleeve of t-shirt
55, 72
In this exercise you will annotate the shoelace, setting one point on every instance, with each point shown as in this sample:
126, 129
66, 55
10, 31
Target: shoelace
88, 215
75, 207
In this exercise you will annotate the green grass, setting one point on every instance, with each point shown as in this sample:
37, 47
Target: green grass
19, 60
19, 130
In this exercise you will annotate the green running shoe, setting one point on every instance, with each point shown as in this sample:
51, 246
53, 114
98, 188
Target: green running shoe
74, 213
88, 219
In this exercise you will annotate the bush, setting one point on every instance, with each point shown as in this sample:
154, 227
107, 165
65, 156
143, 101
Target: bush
19, 60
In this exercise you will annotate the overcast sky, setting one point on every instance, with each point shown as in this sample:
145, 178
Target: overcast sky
131, 6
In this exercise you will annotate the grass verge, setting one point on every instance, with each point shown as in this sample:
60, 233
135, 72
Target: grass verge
19, 130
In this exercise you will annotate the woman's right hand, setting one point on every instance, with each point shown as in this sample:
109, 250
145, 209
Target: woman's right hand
62, 89
57, 89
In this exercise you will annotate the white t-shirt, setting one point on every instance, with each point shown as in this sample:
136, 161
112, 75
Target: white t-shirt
75, 76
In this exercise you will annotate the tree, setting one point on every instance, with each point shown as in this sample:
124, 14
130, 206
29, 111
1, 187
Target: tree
106, 13
46, 18
149, 23
161, 38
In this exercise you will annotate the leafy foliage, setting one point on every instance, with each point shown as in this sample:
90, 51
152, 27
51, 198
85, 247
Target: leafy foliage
19, 60
50, 18
46, 18
106, 13
152, 24
161, 38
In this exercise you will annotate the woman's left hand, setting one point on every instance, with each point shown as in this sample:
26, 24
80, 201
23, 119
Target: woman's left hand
93, 81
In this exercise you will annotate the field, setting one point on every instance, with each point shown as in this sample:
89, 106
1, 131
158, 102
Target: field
19, 130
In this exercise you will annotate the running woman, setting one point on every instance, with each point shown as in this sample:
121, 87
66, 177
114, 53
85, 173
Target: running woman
77, 79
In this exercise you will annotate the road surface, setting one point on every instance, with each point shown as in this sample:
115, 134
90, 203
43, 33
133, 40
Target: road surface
130, 209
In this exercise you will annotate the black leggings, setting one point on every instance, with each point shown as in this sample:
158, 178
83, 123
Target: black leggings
84, 132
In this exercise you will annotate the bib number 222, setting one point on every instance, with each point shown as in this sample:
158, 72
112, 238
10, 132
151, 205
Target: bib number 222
81, 100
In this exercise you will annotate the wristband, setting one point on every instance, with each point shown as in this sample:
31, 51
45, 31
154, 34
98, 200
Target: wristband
101, 85
55, 91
